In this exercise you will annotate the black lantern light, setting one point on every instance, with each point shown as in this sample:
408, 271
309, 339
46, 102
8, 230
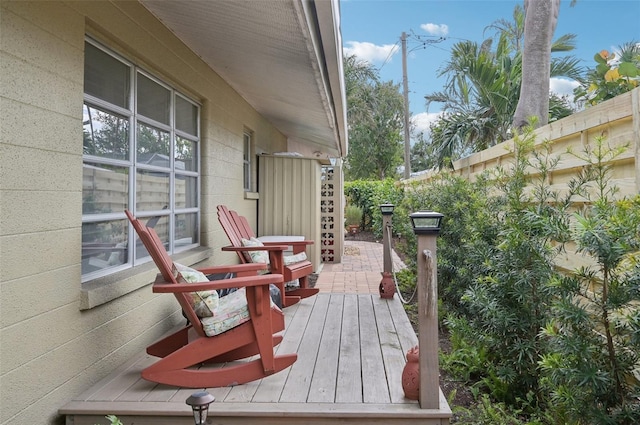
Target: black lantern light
426, 222
387, 209
199, 403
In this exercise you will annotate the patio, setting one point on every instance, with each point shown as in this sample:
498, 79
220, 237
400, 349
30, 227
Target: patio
351, 346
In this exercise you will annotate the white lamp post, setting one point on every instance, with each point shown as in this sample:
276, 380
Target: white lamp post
426, 226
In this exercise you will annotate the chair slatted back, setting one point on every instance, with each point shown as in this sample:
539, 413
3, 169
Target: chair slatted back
242, 224
168, 269
232, 230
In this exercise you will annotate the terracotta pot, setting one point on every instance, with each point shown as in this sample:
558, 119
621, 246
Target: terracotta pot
387, 287
411, 374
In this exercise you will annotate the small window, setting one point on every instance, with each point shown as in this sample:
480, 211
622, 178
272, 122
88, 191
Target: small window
247, 163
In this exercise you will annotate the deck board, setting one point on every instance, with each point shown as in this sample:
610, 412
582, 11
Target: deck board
349, 384
301, 372
393, 357
323, 383
350, 358
296, 319
374, 380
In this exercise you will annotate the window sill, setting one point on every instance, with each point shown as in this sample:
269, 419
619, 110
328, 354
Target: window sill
251, 195
102, 290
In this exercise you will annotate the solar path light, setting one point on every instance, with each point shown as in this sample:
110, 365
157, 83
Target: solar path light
199, 403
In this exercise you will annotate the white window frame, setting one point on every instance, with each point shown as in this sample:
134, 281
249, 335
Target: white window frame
247, 160
130, 163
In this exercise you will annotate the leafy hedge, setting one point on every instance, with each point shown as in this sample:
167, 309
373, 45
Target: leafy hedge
556, 347
368, 195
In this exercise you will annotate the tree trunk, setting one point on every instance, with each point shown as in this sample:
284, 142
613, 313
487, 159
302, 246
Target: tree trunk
541, 17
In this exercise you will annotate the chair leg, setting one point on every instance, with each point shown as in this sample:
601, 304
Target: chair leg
303, 281
303, 292
286, 297
290, 300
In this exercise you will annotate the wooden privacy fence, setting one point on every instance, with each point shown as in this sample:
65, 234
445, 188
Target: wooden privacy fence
618, 120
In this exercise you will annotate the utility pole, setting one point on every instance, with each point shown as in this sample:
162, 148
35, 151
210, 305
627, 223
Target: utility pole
405, 84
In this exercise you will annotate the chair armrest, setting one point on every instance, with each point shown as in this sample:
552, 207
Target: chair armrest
296, 246
239, 269
255, 248
160, 286
290, 243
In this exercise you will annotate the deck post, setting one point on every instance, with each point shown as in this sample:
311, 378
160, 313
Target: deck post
428, 323
427, 281
387, 285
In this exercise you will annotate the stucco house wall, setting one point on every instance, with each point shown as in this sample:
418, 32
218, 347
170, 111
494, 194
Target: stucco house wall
59, 336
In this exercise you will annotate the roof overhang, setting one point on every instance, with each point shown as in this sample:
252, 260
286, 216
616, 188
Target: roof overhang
284, 57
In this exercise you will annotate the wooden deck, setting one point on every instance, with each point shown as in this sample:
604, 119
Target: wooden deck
351, 352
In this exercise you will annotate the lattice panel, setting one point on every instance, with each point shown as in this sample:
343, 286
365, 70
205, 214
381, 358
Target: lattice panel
330, 214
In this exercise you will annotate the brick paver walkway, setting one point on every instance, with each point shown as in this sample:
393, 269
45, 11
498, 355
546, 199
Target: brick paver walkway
359, 272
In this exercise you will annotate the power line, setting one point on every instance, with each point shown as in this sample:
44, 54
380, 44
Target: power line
407, 142
391, 52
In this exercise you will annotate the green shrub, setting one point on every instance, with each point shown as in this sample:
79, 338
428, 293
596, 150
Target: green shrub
353, 215
594, 333
468, 229
368, 195
509, 302
467, 361
548, 348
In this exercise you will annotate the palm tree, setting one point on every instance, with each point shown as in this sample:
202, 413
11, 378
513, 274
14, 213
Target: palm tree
541, 18
483, 87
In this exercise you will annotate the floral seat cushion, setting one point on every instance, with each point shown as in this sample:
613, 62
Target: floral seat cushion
217, 314
295, 258
232, 311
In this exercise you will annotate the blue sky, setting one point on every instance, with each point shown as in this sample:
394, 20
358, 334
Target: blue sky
371, 29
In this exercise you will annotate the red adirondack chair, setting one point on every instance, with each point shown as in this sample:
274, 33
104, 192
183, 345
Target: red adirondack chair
206, 339
237, 228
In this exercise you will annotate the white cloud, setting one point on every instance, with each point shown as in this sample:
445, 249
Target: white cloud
435, 29
370, 52
422, 121
562, 86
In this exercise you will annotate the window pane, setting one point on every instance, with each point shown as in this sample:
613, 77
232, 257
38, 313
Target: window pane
105, 188
246, 153
161, 225
152, 190
105, 134
186, 192
105, 77
186, 116
247, 176
246, 157
186, 230
153, 100
186, 154
154, 146
104, 245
